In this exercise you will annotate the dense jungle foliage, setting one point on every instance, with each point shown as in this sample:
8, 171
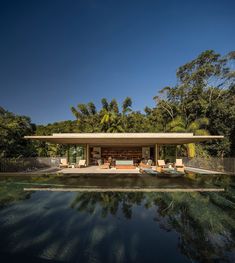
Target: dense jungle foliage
202, 102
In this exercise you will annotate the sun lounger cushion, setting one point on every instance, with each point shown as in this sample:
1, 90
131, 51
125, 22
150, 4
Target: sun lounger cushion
161, 163
124, 162
179, 163
125, 167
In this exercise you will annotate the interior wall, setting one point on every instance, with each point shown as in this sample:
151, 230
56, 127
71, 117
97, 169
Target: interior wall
136, 153
122, 153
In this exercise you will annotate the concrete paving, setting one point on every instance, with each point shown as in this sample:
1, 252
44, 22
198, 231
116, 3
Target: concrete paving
97, 170
202, 171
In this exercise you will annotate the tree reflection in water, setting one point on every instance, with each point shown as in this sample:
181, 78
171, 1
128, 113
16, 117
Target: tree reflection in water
119, 227
205, 222
109, 202
12, 194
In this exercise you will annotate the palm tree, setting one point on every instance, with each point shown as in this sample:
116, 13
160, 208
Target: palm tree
105, 104
126, 105
110, 117
116, 125
114, 106
86, 116
126, 110
111, 121
107, 117
198, 127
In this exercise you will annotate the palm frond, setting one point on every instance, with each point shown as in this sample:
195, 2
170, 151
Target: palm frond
201, 132
191, 148
177, 122
203, 121
178, 129
193, 126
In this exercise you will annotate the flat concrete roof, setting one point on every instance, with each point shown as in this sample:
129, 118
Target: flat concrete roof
123, 138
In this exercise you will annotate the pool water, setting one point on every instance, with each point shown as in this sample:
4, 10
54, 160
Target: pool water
45, 226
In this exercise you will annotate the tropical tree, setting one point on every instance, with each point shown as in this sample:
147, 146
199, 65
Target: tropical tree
110, 117
204, 94
204, 89
197, 127
86, 116
13, 128
126, 110
114, 106
126, 105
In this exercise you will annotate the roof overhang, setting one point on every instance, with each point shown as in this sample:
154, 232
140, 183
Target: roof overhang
123, 138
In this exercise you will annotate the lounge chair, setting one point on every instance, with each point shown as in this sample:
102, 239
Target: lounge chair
104, 166
144, 165
160, 165
81, 163
64, 163
179, 166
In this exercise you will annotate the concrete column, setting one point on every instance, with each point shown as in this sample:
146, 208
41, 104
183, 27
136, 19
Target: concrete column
87, 154
156, 153
67, 152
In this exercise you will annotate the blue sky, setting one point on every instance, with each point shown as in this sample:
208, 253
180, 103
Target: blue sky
55, 54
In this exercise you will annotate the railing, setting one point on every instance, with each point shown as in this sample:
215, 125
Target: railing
215, 164
27, 164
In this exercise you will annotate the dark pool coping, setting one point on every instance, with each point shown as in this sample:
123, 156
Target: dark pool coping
72, 175
123, 189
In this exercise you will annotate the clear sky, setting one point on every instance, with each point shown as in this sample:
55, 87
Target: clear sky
55, 54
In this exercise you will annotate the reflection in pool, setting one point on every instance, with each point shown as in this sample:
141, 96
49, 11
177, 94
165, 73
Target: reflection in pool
115, 226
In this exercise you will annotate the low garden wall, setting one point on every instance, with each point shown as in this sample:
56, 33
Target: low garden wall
215, 164
28, 164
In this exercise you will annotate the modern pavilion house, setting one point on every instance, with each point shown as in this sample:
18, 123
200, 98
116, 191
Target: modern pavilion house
121, 146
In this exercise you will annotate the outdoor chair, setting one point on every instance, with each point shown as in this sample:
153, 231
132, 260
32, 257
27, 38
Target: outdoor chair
144, 165
104, 166
64, 163
81, 163
160, 165
179, 166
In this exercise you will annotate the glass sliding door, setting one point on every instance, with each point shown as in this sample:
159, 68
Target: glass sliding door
76, 153
168, 153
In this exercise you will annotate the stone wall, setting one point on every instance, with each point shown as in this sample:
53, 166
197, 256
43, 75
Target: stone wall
28, 164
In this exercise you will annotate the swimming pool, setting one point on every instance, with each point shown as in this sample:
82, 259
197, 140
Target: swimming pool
42, 226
